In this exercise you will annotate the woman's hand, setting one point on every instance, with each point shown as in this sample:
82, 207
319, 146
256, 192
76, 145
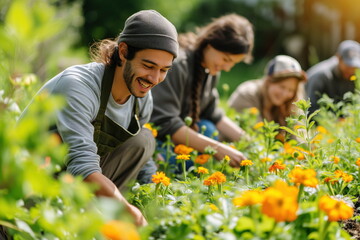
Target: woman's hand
236, 157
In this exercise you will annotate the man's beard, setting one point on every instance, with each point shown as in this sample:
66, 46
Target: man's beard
129, 77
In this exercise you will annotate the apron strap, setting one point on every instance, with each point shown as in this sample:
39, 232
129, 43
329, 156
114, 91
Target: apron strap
106, 85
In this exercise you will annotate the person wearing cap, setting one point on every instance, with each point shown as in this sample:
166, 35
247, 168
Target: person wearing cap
109, 100
333, 76
274, 94
190, 87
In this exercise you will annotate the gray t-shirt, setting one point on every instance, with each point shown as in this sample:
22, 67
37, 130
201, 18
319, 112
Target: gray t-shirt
81, 86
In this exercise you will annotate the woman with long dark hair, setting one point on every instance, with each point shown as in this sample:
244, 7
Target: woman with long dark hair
190, 86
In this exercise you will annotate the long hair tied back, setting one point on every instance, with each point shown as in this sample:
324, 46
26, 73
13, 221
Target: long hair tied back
231, 33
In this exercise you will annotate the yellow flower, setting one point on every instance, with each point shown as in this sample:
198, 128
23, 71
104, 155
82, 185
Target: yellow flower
358, 162
227, 158
248, 198
254, 111
280, 202
118, 230
153, 130
296, 127
335, 159
160, 177
266, 159
183, 157
202, 170
259, 125
202, 159
215, 179
357, 139
213, 207
330, 140
353, 78
321, 129
183, 149
246, 163
306, 177
336, 210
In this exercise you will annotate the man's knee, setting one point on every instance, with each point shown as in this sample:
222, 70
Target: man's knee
144, 140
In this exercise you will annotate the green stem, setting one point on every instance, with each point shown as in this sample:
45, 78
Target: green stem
156, 190
184, 169
301, 190
220, 188
9, 225
323, 231
272, 230
247, 175
330, 188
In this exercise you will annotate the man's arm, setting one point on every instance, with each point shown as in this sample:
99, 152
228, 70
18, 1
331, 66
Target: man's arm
108, 189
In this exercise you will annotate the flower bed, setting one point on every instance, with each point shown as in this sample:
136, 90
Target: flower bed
306, 187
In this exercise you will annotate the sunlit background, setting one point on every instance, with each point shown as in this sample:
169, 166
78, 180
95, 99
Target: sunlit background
45, 36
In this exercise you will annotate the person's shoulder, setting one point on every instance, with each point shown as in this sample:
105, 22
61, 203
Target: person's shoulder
322, 67
88, 69
250, 87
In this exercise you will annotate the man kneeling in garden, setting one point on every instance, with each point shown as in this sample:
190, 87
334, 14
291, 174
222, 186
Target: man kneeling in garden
109, 100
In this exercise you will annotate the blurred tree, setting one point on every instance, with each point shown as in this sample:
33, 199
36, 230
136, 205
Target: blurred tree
106, 18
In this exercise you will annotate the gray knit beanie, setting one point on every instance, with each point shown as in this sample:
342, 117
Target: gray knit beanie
149, 29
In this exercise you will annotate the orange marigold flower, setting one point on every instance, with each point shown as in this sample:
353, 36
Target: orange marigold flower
338, 173
202, 158
215, 179
358, 162
248, 198
336, 210
357, 139
280, 202
183, 157
118, 230
330, 180
254, 111
259, 125
246, 163
347, 177
335, 159
330, 140
183, 149
160, 177
277, 165
202, 170
306, 177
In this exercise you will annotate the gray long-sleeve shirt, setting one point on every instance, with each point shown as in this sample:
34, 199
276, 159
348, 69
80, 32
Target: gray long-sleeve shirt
81, 86
172, 98
325, 77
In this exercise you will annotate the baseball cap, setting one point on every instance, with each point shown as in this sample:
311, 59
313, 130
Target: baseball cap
283, 66
149, 29
349, 51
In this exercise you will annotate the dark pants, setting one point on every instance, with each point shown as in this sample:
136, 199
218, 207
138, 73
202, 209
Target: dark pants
125, 162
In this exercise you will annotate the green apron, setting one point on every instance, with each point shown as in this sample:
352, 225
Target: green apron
107, 134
